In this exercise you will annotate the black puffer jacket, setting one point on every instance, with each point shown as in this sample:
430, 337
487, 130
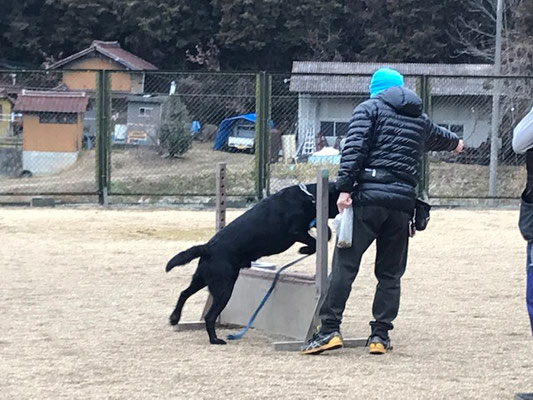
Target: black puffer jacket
381, 158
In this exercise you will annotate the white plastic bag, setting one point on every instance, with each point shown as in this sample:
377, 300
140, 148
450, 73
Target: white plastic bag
343, 223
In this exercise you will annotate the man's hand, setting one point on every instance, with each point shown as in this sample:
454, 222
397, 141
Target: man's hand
459, 147
344, 201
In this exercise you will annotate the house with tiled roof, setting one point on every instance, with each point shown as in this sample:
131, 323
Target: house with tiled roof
329, 91
127, 81
52, 126
102, 55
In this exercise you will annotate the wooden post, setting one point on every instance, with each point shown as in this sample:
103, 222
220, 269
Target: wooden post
220, 215
221, 196
220, 223
321, 274
322, 211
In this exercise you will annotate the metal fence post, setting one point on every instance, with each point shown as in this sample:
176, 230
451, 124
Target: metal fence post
267, 137
425, 94
103, 113
262, 129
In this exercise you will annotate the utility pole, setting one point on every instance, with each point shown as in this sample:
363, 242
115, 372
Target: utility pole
495, 120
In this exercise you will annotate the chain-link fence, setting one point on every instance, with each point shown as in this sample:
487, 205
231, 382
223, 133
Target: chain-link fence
169, 130
45, 122
473, 108
315, 109
156, 134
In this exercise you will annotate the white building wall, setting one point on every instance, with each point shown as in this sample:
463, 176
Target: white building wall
337, 109
308, 125
47, 162
471, 112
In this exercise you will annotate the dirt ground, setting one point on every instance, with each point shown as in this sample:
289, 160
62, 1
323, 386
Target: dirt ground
84, 302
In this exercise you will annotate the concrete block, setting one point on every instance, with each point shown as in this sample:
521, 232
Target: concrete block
43, 202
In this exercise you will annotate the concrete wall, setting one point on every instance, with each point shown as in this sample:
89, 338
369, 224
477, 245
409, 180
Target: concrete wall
10, 161
51, 137
139, 125
47, 162
89, 119
5, 117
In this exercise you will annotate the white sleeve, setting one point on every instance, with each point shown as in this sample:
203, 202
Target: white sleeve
523, 134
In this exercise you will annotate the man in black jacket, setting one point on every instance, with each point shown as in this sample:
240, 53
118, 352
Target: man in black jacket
379, 171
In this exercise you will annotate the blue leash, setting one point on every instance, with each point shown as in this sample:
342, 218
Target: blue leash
240, 334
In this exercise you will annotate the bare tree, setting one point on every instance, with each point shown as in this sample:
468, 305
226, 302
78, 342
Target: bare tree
209, 57
476, 35
323, 41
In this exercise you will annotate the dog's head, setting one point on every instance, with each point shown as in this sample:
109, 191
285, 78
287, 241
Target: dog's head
333, 195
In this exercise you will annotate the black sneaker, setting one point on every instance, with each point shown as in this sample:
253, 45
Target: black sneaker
322, 342
377, 345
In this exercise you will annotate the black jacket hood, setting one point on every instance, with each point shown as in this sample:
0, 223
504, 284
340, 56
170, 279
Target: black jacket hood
403, 100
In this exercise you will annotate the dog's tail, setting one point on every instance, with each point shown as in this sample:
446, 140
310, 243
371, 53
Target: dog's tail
187, 256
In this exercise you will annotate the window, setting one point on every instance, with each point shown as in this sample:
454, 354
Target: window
458, 129
341, 128
333, 128
244, 131
145, 112
327, 128
58, 118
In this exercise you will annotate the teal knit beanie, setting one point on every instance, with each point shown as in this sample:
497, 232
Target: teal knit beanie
383, 79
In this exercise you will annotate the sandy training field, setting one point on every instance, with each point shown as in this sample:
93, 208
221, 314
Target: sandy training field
84, 303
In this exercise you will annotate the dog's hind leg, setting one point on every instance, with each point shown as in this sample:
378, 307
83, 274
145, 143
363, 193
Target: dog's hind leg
221, 292
197, 283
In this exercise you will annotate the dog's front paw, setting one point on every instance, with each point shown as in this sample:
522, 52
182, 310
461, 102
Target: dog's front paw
307, 250
217, 341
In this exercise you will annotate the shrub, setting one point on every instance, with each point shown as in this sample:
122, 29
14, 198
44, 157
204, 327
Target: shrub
174, 131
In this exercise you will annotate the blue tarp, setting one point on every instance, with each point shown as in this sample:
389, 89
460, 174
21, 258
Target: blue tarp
225, 126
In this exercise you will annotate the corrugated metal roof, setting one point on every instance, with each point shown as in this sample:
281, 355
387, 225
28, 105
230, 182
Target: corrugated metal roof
334, 77
111, 50
147, 99
47, 101
404, 68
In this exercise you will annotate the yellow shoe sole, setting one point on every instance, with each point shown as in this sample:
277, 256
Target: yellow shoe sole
333, 344
377, 348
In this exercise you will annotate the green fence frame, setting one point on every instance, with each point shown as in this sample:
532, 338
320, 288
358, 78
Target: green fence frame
103, 137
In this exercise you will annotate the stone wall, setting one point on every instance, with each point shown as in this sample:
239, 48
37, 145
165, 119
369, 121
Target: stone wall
10, 161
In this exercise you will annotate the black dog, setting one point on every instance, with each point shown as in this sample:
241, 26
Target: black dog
270, 227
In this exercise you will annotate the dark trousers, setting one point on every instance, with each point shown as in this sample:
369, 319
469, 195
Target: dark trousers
390, 229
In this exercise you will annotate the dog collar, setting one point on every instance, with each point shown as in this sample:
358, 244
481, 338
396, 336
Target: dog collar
303, 188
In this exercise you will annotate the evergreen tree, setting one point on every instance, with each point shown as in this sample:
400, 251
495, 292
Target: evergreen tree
174, 131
